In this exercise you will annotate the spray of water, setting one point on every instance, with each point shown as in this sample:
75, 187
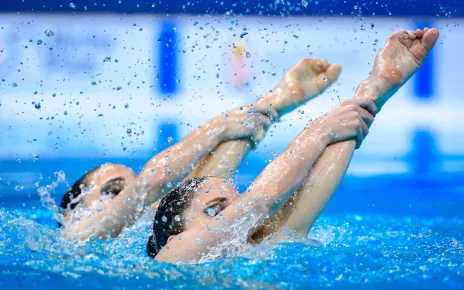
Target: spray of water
45, 194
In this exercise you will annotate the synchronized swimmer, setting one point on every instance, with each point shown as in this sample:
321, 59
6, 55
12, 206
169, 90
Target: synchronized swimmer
111, 197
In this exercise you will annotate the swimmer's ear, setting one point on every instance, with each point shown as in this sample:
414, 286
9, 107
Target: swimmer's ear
171, 237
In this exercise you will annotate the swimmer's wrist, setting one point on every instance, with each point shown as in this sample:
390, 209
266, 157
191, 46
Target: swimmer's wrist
370, 88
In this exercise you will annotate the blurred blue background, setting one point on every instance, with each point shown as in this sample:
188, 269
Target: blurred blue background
76, 77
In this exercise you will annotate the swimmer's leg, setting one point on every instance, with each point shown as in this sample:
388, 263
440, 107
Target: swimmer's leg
308, 79
398, 60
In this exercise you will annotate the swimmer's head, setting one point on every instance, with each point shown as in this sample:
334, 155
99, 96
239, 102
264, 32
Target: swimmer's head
105, 180
189, 206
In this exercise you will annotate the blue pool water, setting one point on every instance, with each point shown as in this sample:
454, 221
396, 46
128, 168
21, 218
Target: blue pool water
382, 232
129, 78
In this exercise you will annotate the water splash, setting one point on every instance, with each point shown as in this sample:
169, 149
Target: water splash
46, 199
354, 251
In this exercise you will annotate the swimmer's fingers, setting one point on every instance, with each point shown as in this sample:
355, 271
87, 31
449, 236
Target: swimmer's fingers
268, 111
365, 108
265, 121
363, 120
359, 117
361, 133
367, 104
366, 116
261, 124
258, 119
328, 77
258, 136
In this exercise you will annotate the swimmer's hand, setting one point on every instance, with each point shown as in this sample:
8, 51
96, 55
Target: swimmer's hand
350, 120
244, 122
306, 80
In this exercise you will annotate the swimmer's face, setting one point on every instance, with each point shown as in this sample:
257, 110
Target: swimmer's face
106, 182
215, 195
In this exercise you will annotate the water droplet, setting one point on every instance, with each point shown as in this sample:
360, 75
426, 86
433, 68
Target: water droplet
65, 113
94, 83
198, 241
164, 219
126, 106
177, 218
35, 156
14, 85
107, 59
72, 5
304, 3
195, 23
273, 74
325, 80
128, 131
248, 55
49, 33
18, 187
37, 106
243, 34
211, 212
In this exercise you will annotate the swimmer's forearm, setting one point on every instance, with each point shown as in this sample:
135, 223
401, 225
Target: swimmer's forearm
327, 174
319, 186
170, 166
280, 178
224, 160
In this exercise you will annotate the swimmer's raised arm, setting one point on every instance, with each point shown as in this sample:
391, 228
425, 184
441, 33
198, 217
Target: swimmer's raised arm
306, 80
397, 61
163, 172
277, 181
